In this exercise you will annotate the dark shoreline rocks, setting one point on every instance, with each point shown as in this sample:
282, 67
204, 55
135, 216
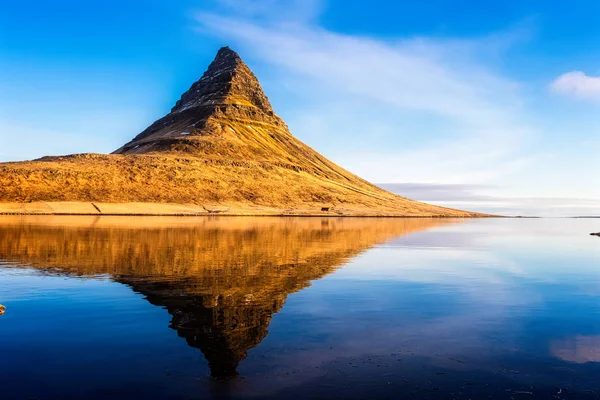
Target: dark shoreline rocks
595, 234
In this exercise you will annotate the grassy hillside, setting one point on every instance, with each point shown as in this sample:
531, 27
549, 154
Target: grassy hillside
178, 179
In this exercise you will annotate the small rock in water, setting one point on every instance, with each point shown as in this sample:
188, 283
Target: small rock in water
2, 309
595, 234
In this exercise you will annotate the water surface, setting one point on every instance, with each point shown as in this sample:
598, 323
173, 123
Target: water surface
194, 308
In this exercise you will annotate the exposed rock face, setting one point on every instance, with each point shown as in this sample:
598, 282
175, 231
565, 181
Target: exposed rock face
227, 81
227, 93
225, 117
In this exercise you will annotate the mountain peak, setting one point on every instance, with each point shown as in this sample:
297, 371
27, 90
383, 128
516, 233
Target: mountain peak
226, 53
227, 92
228, 80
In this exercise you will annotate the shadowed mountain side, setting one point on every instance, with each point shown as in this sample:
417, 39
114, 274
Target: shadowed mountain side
221, 279
221, 145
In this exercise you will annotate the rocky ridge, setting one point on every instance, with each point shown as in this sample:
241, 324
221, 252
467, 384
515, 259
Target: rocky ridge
228, 92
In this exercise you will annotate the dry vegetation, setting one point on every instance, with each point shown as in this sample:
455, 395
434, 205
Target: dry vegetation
209, 182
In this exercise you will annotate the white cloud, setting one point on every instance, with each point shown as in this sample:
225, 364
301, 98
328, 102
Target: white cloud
475, 131
579, 349
287, 11
407, 74
413, 109
482, 198
578, 84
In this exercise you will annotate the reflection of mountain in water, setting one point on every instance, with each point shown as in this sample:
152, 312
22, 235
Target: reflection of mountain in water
221, 279
224, 329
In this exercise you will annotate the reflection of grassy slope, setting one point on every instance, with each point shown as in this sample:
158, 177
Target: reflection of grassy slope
233, 254
221, 279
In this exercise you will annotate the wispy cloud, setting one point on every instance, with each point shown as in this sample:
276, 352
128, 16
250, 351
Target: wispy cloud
288, 10
476, 131
439, 111
577, 84
439, 192
406, 74
483, 198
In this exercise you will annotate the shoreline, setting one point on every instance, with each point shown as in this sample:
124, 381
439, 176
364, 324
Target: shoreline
194, 210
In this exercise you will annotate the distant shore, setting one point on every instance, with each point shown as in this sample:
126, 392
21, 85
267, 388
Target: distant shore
187, 210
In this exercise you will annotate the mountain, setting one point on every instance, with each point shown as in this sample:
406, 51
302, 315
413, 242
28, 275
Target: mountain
220, 149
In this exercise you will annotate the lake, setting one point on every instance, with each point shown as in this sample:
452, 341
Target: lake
281, 308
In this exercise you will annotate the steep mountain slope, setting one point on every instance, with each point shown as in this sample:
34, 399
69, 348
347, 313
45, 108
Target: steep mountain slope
221, 148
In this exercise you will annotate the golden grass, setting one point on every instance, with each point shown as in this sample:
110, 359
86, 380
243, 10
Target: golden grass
255, 187
241, 166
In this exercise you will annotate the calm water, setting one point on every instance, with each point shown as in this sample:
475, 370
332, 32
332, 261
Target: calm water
194, 308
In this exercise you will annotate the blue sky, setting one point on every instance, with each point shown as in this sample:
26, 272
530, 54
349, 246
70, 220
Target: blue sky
482, 105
